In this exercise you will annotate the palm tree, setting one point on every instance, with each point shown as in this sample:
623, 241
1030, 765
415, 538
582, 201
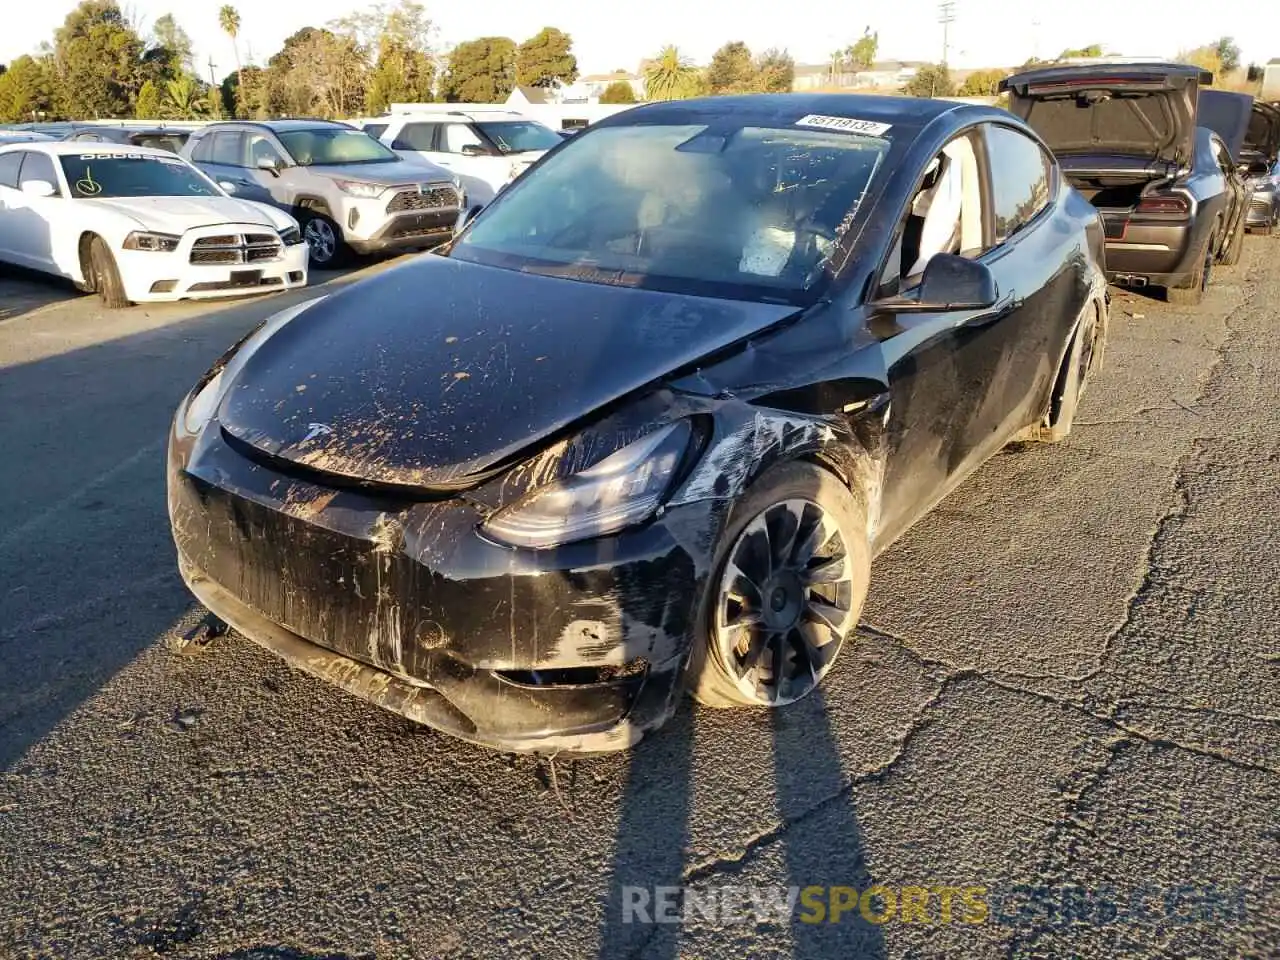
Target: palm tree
183, 98
670, 77
229, 20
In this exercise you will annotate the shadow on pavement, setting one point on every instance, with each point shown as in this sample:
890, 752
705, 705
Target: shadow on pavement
87, 571
653, 838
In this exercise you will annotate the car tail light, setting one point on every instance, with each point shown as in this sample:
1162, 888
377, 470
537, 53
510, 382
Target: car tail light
1169, 203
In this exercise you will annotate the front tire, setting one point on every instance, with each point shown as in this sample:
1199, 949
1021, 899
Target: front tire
324, 240
787, 587
105, 276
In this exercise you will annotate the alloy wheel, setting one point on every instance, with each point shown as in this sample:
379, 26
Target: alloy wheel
784, 602
320, 238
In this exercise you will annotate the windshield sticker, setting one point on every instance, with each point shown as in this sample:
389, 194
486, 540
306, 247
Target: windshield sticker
86, 186
847, 124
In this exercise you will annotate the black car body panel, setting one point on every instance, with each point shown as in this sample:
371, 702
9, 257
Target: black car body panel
1127, 138
370, 565
1227, 114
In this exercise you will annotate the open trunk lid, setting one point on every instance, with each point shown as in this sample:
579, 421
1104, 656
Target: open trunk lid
1141, 110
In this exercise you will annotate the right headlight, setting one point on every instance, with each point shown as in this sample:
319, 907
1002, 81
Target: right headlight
623, 489
209, 392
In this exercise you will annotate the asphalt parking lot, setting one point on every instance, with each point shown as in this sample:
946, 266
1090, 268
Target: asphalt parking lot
1065, 695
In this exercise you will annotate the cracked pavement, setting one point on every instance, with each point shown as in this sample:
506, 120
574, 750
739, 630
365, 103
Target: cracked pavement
1066, 677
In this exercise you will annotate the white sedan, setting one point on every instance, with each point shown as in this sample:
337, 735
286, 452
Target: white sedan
137, 225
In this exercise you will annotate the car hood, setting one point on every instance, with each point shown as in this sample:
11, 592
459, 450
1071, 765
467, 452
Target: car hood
1137, 110
391, 173
178, 214
433, 373
1228, 115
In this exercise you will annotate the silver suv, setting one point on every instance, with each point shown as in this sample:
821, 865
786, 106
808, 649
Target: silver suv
346, 190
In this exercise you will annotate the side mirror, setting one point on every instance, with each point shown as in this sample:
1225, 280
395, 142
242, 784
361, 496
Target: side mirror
39, 188
475, 150
269, 164
227, 186
951, 283
465, 217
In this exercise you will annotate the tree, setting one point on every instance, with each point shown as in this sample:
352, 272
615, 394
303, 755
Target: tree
481, 71
185, 98
1254, 73
150, 103
862, 54
775, 72
229, 21
1093, 50
26, 89
731, 69
399, 39
672, 76
285, 91
1206, 58
243, 94
174, 40
982, 83
1228, 54
620, 91
96, 56
545, 58
931, 80
332, 68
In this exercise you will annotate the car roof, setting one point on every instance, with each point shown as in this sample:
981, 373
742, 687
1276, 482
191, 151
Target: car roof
786, 109
63, 148
278, 126
464, 114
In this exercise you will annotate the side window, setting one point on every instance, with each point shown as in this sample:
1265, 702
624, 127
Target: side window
459, 135
417, 136
200, 149
227, 149
375, 130
9, 164
93, 137
1020, 179
38, 166
944, 216
260, 147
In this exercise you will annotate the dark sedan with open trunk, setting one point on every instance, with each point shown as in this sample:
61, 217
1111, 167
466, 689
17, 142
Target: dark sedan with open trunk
643, 425
1127, 138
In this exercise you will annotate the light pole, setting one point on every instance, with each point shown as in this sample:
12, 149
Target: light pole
946, 17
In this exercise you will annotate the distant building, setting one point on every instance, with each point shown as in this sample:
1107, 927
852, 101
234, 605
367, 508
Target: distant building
598, 83
530, 96
884, 75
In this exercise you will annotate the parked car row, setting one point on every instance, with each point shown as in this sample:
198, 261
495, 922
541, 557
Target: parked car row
1177, 173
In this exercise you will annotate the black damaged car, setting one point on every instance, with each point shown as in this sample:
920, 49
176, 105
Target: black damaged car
1129, 137
644, 424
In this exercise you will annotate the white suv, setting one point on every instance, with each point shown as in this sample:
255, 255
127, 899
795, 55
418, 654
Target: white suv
485, 150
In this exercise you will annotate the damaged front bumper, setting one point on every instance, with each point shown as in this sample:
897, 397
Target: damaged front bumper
580, 649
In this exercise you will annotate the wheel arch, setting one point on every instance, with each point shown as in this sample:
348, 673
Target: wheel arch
307, 203
85, 279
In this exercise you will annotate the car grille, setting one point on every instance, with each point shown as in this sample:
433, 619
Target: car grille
237, 248
429, 198
1261, 207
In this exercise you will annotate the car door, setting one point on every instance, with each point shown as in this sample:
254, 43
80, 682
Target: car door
10, 204
41, 220
1237, 191
463, 151
963, 382
256, 183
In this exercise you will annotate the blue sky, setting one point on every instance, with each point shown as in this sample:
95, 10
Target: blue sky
986, 32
